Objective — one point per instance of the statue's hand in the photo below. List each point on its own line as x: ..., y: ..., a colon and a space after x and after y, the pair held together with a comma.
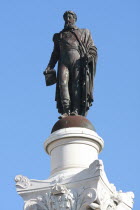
x: 47, y: 70
x: 90, y: 58
x: 85, y: 60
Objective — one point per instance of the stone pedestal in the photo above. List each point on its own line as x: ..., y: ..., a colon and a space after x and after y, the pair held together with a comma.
x: 78, y: 180
x: 73, y: 149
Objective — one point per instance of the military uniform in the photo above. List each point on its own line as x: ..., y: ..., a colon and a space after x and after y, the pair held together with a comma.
x: 70, y: 46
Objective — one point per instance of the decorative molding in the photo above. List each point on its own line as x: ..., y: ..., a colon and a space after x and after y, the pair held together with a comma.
x: 126, y: 198
x: 61, y: 198
x: 57, y: 179
x: 87, y: 199
x: 96, y: 166
x: 90, y: 190
x: 59, y: 189
x: 22, y: 181
x: 36, y: 204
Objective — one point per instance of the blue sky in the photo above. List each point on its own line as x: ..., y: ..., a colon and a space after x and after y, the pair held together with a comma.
x: 27, y: 107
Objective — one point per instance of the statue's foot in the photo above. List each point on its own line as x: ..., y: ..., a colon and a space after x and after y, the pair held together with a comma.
x: 63, y: 116
x: 74, y: 113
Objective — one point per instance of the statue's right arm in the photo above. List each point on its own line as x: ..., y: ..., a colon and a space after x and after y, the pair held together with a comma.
x: 55, y: 54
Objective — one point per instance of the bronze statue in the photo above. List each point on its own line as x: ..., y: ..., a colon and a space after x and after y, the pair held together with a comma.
x: 76, y: 55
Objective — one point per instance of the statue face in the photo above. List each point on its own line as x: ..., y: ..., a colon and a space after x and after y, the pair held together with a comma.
x: 69, y: 20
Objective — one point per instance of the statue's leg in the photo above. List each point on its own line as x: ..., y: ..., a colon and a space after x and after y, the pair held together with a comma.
x: 76, y: 89
x: 64, y: 91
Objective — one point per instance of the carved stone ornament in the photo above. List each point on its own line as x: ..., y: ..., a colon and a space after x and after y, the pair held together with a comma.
x: 36, y: 204
x: 22, y: 181
x: 96, y: 166
x: 89, y: 190
x: 61, y: 198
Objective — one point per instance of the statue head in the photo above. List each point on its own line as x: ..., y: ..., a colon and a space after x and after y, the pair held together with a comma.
x: 70, y: 18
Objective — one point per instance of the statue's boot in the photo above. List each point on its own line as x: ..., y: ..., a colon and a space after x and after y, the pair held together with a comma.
x: 63, y: 116
x: 66, y: 112
x: 74, y: 112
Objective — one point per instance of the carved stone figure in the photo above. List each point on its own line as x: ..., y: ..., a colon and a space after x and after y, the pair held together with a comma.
x: 76, y: 55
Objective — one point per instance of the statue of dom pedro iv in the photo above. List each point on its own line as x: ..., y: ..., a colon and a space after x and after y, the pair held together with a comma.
x: 76, y: 55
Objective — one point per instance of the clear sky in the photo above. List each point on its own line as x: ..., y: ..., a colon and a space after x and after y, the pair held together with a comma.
x: 27, y: 107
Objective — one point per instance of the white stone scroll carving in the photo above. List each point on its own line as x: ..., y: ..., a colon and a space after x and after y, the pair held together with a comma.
x: 22, y: 181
